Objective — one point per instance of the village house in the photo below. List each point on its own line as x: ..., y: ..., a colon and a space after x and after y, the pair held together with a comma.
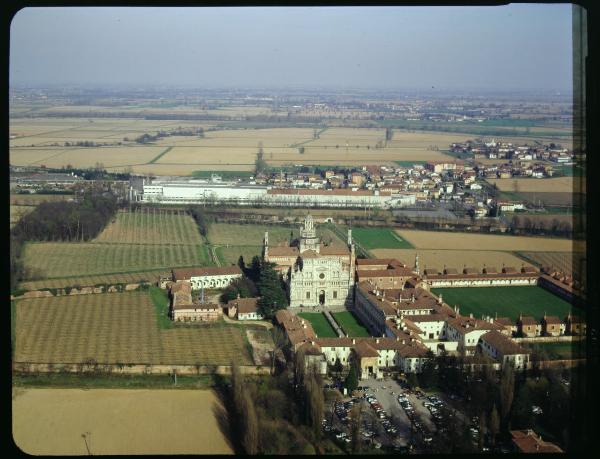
x: 528, y: 327
x: 244, y: 309
x: 552, y: 326
x: 501, y: 348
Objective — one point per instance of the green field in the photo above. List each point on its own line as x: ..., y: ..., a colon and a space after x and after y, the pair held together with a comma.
x: 506, y: 301
x: 319, y: 323
x: 559, y: 351
x: 349, y: 323
x: 230, y: 255
x: 65, y: 259
x: 379, y: 238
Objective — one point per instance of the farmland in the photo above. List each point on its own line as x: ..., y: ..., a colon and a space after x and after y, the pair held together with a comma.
x: 144, y: 240
x: 470, y: 241
x: 86, y: 281
x: 230, y: 255
x: 532, y: 185
x: 452, y: 258
x: 378, y: 238
x: 117, y: 421
x: 67, y: 259
x: 118, y: 328
x: 35, y: 199
x: 506, y: 301
x: 151, y: 226
x: 319, y: 323
x: 350, y: 324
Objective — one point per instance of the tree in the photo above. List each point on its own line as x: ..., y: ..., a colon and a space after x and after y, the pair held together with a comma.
x: 494, y: 424
x: 388, y: 134
x: 355, y: 422
x: 254, y: 272
x: 314, y: 402
x: 351, y: 382
x: 260, y: 165
x: 273, y: 296
x: 250, y: 425
x: 507, y: 390
x: 301, y: 150
x: 429, y: 375
x: 241, y: 263
x: 412, y: 380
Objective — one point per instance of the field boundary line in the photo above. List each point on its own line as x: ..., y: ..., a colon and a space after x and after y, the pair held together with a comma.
x: 160, y: 155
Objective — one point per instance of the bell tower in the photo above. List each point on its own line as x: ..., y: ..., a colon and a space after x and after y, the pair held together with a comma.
x: 308, y: 236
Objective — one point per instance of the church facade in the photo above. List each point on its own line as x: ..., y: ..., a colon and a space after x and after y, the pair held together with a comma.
x: 316, y: 275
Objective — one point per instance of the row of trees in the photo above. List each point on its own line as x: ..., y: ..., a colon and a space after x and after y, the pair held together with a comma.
x: 270, y: 416
x: 146, y: 138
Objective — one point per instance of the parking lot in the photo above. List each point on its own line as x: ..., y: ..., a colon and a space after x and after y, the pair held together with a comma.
x: 394, y: 417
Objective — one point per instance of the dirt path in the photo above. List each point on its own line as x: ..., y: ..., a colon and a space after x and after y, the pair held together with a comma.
x: 117, y: 421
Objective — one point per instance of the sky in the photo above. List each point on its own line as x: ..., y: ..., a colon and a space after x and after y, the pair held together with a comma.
x: 512, y: 47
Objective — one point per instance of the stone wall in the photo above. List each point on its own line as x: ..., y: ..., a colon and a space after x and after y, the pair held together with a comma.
x: 79, y: 291
x: 28, y: 367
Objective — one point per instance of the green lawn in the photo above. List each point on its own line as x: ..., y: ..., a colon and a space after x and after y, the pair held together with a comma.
x: 506, y: 301
x: 319, y: 324
x: 349, y: 323
x: 559, y: 351
x: 160, y: 300
x: 379, y: 238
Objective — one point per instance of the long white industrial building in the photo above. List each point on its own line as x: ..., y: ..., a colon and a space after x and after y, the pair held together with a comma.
x: 198, y: 192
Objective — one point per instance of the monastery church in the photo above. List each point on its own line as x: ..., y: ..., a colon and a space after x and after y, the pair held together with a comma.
x: 316, y: 275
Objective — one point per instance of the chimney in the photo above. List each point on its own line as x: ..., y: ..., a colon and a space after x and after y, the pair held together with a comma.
x: 471, y: 315
x: 377, y: 340
x: 353, y: 341
x: 303, y: 325
x: 397, y: 338
x: 238, y: 295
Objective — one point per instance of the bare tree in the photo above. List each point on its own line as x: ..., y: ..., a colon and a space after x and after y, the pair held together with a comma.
x: 507, y: 390
x: 494, y: 424
x: 355, y: 422
x: 250, y: 425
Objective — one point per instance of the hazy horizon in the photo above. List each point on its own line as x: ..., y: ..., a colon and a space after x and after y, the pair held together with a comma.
x: 473, y: 49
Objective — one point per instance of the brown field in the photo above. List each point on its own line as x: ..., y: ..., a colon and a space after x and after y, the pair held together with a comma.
x: 184, y: 169
x: 472, y: 241
x: 117, y: 421
x: 118, y: 328
x: 555, y: 185
x: 452, y: 258
x: 85, y: 157
x: 151, y: 226
x: 34, y: 199
x: 556, y: 199
x: 87, y: 281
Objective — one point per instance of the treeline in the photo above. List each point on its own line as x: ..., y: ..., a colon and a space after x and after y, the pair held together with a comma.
x: 272, y: 416
x: 97, y: 173
x: 59, y: 221
x: 500, y: 401
x: 202, y: 220
x: 145, y: 138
